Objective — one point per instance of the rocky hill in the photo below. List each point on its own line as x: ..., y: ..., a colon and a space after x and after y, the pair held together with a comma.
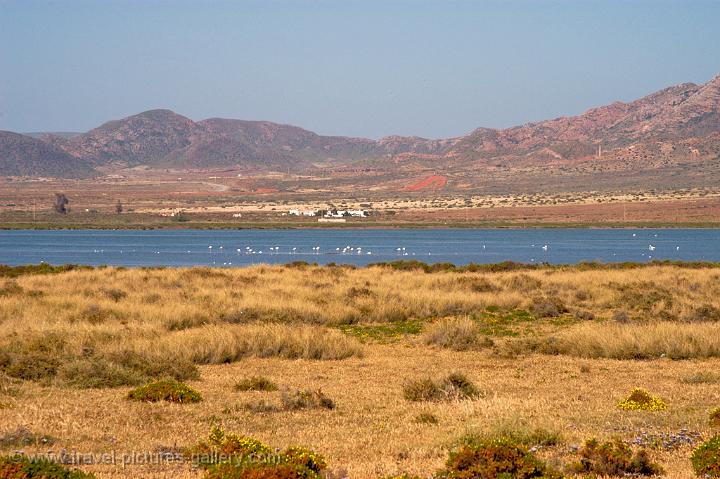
x: 678, y: 112
x: 686, y: 113
x: 22, y: 155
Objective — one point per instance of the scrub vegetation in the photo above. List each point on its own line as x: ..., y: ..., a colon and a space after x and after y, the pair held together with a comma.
x: 395, y: 370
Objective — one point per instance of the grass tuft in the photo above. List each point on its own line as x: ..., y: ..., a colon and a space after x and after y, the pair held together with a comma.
x: 459, y: 334
x: 456, y: 386
x: 256, y: 383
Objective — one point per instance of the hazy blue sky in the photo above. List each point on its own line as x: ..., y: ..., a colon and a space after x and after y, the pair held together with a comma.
x: 365, y: 68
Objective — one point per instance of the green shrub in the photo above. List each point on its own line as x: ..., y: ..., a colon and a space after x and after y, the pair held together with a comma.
x: 21, y: 467
x: 165, y: 390
x: 706, y: 458
x: 456, y: 386
x: 256, y: 383
x: 495, y: 459
x: 641, y: 400
x: 613, y: 458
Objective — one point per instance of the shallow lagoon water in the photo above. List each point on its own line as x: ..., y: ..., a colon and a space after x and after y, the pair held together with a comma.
x: 459, y: 246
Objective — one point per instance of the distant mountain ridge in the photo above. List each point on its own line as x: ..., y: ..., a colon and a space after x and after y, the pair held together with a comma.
x: 165, y: 139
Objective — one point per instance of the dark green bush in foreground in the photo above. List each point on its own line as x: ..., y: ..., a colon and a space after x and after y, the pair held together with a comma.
x: 495, y: 459
x: 613, y: 458
x: 706, y: 458
x: 165, y: 390
x: 21, y: 467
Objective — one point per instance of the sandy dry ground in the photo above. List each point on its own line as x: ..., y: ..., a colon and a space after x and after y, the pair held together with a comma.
x: 372, y: 432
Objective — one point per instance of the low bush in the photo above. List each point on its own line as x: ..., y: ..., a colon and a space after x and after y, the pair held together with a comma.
x: 641, y: 400
x: 22, y: 467
x: 232, y: 456
x: 229, y: 343
x: 22, y: 437
x: 426, y: 418
x: 701, y: 377
x: 517, y: 431
x: 495, y: 459
x: 42, y: 268
x: 706, y: 458
x: 630, y: 341
x: 47, y: 359
x: 714, y: 419
x: 478, y: 285
x: 459, y: 334
x: 705, y: 312
x: 10, y: 288
x: 524, y: 283
x: 256, y: 383
x: 547, y: 307
x: 301, y: 399
x: 613, y: 458
x: 261, y: 406
x: 165, y: 390
x: 456, y: 386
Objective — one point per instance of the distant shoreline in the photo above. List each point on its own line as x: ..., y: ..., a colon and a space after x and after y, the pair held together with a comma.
x: 357, y: 226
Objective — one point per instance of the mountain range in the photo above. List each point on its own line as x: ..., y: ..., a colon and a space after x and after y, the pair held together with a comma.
x: 686, y: 115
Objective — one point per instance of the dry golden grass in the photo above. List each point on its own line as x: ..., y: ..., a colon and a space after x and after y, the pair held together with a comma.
x: 373, y: 430
x: 299, y: 327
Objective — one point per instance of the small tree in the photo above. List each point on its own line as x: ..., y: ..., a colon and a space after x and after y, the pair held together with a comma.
x: 61, y: 202
x: 118, y: 207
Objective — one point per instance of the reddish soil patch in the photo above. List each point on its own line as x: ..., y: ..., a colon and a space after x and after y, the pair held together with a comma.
x: 434, y: 182
x: 265, y: 190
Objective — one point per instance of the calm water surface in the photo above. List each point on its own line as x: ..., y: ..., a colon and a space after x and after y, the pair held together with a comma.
x: 459, y: 246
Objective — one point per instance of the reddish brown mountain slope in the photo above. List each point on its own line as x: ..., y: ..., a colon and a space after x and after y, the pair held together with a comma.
x: 22, y: 155
x: 687, y: 116
x: 681, y: 111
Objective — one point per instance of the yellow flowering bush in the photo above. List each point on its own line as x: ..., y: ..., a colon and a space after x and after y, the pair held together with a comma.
x: 232, y: 456
x: 641, y: 400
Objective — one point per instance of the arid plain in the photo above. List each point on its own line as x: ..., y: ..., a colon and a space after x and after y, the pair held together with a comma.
x: 550, y: 352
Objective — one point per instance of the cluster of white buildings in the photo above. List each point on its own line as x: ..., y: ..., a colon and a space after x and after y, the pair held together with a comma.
x: 330, y: 213
x: 304, y: 212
